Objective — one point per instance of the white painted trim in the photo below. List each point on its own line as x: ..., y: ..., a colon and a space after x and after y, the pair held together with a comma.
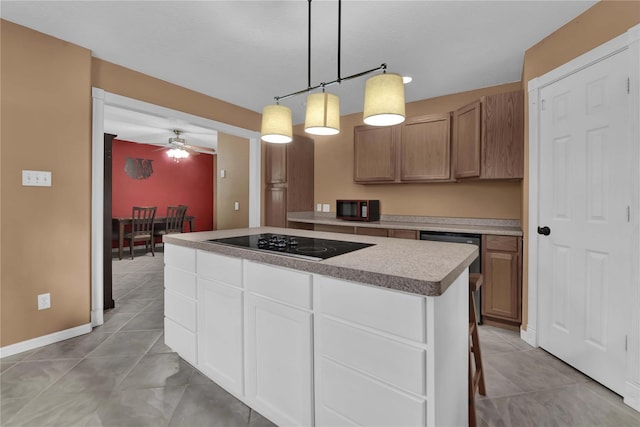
x: 631, y: 41
x: 38, y: 342
x: 632, y: 392
x: 102, y: 98
x: 148, y: 108
x: 254, y: 181
x: 97, y: 207
x: 529, y: 336
x: 632, y: 395
x: 532, y: 319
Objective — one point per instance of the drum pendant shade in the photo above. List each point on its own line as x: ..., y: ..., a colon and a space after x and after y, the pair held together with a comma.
x: 384, y: 100
x: 323, y: 114
x: 276, y: 124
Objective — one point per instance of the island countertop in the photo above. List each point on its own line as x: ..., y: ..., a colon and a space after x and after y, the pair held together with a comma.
x: 414, y: 266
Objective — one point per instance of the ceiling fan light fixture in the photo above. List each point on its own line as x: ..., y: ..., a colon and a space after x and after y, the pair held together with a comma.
x: 384, y: 100
x: 277, y: 125
x: 323, y: 114
x: 177, y: 153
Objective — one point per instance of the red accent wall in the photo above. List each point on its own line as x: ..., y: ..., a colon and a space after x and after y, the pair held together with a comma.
x: 187, y: 182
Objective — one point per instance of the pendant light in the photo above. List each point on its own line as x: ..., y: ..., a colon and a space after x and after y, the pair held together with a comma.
x: 384, y: 100
x: 383, y: 105
x: 323, y: 114
x: 276, y: 124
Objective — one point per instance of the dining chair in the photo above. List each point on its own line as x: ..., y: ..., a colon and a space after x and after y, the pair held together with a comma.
x: 174, y: 222
x: 141, y: 228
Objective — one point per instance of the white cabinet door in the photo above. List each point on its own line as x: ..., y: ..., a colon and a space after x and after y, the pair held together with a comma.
x: 220, y: 334
x: 279, y: 346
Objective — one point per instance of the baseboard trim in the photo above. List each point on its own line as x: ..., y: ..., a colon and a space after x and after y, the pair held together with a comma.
x: 632, y: 395
x: 529, y: 336
x: 33, y: 343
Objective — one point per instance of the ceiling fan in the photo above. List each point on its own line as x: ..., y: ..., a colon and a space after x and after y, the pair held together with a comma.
x: 178, y: 147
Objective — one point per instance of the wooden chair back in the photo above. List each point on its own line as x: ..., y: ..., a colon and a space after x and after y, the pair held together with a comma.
x: 175, y: 218
x: 142, y: 220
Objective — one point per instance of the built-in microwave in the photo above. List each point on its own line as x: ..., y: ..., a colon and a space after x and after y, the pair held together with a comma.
x: 358, y: 210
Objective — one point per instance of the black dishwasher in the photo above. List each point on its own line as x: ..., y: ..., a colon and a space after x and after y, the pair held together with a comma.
x: 471, y: 239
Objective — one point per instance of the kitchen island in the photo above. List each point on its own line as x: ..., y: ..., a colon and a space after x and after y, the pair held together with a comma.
x: 377, y: 336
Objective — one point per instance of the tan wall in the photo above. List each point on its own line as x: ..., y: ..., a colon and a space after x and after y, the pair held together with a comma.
x: 599, y: 24
x: 334, y: 173
x: 45, y: 232
x: 46, y: 125
x: 233, y: 157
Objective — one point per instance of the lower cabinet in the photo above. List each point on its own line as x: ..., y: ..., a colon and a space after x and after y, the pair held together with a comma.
x: 502, y: 288
x: 279, y: 351
x: 220, y: 334
x: 308, y: 350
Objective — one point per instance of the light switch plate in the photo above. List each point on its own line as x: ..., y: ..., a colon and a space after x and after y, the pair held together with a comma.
x: 36, y: 178
x: 325, y: 208
x: 319, y: 207
x: 223, y: 173
x: 236, y: 206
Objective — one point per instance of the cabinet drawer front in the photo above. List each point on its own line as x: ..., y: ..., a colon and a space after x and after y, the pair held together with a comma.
x: 389, y: 311
x: 180, y: 257
x: 346, y: 397
x: 181, y: 341
x: 221, y: 268
x: 180, y: 309
x: 501, y: 243
x: 289, y: 286
x: 180, y: 281
x: 403, y: 234
x: 372, y: 353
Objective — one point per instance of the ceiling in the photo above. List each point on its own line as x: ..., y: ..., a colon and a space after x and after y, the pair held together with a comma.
x: 248, y: 52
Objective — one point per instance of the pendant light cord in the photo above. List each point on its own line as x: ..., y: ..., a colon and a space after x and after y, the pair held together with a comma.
x: 309, y: 49
x: 339, y: 37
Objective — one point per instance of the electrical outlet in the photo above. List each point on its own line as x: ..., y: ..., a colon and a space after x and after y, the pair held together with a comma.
x: 319, y: 207
x: 44, y: 301
x: 325, y: 208
x: 236, y: 206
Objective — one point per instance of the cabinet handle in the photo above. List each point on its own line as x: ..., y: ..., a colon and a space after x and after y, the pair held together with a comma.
x: 545, y: 231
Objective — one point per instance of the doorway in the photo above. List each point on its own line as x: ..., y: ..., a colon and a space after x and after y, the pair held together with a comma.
x: 102, y: 98
x: 583, y: 202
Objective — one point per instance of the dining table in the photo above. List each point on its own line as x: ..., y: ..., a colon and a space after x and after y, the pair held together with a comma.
x: 120, y: 222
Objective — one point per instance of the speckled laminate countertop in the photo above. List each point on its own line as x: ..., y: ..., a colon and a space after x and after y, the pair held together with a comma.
x: 502, y: 227
x: 414, y: 266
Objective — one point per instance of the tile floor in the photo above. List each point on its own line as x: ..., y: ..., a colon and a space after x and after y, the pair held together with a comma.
x: 122, y: 374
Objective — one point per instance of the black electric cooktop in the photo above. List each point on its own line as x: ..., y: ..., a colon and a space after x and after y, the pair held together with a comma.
x: 296, y: 246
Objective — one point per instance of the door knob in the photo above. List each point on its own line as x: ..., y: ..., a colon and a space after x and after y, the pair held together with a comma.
x: 545, y: 231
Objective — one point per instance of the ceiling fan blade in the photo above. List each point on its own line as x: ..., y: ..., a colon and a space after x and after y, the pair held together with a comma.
x: 161, y: 148
x: 204, y: 150
x: 190, y: 151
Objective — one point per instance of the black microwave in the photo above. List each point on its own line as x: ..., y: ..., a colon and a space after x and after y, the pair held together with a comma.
x: 358, y: 210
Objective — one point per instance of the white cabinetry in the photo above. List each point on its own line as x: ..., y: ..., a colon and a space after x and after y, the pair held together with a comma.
x: 180, y: 294
x: 220, y: 325
x: 310, y: 350
x: 279, y: 344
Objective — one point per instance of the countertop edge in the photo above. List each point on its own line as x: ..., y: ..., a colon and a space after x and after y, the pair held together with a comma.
x: 389, y: 281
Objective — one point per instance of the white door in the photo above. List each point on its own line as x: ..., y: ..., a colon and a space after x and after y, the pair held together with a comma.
x: 585, y: 263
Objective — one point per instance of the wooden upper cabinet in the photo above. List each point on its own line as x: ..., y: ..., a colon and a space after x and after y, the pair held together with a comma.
x: 467, y: 141
x: 419, y: 150
x: 425, y: 148
x: 489, y: 138
x: 276, y: 163
x: 503, y: 136
x: 374, y: 153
